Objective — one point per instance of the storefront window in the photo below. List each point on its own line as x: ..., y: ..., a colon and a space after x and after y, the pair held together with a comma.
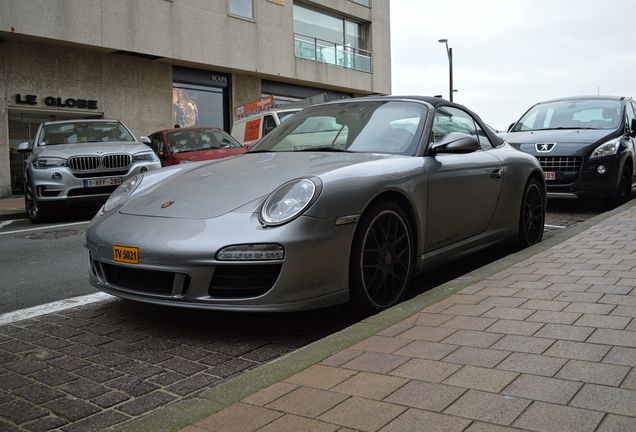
x: 197, y: 106
x: 242, y: 8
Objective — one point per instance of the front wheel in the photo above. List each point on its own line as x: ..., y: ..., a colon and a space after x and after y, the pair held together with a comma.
x: 382, y: 261
x: 623, y: 192
x: 36, y: 211
x: 532, y: 218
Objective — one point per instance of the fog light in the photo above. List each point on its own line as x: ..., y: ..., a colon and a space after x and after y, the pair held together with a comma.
x: 256, y: 252
x: 143, y: 169
x: 601, y: 169
x: 56, y: 176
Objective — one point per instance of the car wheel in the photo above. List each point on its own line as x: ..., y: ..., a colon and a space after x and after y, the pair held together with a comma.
x: 381, y: 263
x: 532, y: 218
x: 36, y: 212
x: 624, y: 191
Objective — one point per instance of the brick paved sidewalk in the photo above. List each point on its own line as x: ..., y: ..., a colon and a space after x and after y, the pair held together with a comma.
x: 548, y: 344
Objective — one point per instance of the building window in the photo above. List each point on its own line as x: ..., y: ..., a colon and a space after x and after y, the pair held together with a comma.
x: 330, y: 39
x: 366, y: 3
x: 242, y: 8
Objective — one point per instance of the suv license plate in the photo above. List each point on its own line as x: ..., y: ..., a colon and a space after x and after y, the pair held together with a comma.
x: 126, y: 254
x: 549, y: 175
x: 112, y: 181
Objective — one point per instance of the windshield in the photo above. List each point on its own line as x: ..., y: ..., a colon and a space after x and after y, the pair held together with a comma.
x: 83, y: 132
x: 181, y: 141
x: 572, y: 114
x: 284, y: 115
x: 392, y: 127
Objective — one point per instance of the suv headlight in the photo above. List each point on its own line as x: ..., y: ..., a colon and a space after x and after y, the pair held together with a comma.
x: 122, y: 193
x: 606, y: 149
x: 48, y: 162
x: 289, y: 201
x: 145, y: 156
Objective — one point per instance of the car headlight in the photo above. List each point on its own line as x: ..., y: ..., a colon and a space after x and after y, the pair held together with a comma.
x: 145, y: 156
x: 48, y: 162
x: 289, y: 201
x: 122, y: 193
x: 606, y: 149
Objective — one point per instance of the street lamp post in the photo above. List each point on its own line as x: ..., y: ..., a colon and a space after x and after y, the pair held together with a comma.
x: 449, y: 51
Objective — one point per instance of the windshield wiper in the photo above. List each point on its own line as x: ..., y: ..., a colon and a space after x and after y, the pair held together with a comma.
x: 325, y: 149
x: 565, y: 128
x: 260, y: 151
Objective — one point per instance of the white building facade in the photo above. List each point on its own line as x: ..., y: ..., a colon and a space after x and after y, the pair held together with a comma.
x: 139, y: 61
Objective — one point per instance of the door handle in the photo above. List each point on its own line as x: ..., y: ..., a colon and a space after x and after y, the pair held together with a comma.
x: 496, y: 173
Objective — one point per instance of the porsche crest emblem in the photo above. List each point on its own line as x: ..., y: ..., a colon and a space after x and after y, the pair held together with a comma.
x: 166, y: 204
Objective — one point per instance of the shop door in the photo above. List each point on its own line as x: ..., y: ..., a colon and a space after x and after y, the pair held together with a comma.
x: 22, y: 127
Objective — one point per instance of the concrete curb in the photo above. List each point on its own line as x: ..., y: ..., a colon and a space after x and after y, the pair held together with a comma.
x: 183, y: 413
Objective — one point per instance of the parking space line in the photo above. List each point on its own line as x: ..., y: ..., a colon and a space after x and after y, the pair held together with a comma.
x: 44, y: 227
x: 554, y: 226
x: 5, y: 223
x: 32, y: 312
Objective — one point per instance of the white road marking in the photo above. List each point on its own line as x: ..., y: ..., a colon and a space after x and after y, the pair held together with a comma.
x: 5, y: 223
x: 555, y: 226
x: 32, y: 312
x: 44, y: 227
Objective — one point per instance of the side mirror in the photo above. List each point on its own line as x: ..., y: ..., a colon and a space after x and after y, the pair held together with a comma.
x: 456, y: 142
x: 632, y: 129
x: 144, y: 140
x: 510, y: 127
x: 23, y: 147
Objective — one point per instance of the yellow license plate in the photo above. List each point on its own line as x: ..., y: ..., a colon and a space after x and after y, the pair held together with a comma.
x: 125, y: 254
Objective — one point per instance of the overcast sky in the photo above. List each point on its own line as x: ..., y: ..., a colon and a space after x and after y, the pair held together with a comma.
x: 510, y: 54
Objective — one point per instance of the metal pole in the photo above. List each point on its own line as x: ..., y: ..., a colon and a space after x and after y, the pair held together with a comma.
x: 450, y: 73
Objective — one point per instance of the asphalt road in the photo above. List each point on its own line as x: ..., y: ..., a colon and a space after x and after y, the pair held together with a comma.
x: 41, y: 264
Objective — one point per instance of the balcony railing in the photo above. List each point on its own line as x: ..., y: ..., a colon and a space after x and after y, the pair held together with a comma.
x: 310, y: 48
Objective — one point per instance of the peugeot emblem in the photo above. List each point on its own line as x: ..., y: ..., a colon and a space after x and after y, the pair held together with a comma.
x: 166, y: 204
x: 544, y: 147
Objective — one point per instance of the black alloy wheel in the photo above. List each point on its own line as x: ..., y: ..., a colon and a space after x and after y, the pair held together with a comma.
x: 532, y: 220
x: 381, y: 259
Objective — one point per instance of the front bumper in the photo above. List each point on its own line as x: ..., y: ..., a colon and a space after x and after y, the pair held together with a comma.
x: 73, y: 188
x: 177, y: 264
x: 587, y: 183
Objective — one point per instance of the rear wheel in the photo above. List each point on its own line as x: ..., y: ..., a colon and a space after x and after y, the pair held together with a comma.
x: 624, y: 191
x: 532, y: 218
x: 381, y: 263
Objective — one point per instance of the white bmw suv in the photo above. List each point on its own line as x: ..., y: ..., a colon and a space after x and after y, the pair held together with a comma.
x: 80, y: 161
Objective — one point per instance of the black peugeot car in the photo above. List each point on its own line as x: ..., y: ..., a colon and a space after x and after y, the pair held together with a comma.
x: 585, y: 144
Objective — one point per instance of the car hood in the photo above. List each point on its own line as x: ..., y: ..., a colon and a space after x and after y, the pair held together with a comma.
x: 525, y: 141
x: 68, y: 150
x: 202, y: 155
x: 210, y: 189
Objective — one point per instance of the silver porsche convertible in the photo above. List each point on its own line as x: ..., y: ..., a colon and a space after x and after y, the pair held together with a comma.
x: 344, y: 202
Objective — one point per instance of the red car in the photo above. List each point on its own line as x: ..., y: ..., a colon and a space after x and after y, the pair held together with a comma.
x: 183, y: 145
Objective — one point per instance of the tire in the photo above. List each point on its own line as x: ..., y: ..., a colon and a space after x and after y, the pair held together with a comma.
x: 36, y: 211
x: 623, y: 192
x: 382, y: 258
x: 532, y: 214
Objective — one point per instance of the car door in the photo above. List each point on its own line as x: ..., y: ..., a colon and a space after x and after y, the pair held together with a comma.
x: 463, y: 189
